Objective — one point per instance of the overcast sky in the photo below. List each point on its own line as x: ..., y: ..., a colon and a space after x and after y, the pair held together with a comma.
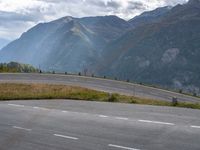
x: 17, y: 16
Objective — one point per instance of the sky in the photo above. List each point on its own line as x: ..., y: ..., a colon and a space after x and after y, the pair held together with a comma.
x: 17, y: 16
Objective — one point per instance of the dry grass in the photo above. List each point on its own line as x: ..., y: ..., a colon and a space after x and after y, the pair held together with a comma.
x: 15, y: 91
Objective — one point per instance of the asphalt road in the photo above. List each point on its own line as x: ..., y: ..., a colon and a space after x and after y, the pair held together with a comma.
x: 98, y: 84
x: 77, y: 125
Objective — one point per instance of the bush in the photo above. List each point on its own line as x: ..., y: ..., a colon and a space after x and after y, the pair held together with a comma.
x: 133, y: 101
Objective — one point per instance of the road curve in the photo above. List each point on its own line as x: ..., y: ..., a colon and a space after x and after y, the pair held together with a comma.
x: 99, y: 84
x: 78, y: 125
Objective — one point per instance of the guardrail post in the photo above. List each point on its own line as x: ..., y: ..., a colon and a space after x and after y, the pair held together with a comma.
x: 174, y: 101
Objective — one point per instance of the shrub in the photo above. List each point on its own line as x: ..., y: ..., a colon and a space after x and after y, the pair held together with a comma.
x: 133, y: 101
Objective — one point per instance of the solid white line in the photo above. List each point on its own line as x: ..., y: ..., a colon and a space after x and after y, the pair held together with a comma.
x: 197, y: 127
x: 122, y: 147
x: 16, y: 105
x: 156, y: 122
x: 102, y: 116
x: 15, y: 127
x: 67, y: 137
x: 121, y: 118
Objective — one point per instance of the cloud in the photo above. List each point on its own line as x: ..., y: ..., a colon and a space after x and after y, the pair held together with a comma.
x: 113, y: 4
x: 18, y: 15
x: 136, y: 5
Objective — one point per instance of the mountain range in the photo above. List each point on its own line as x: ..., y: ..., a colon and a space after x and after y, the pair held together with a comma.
x: 160, y: 47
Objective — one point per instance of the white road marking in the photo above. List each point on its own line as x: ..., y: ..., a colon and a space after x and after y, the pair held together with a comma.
x: 36, y: 107
x: 156, y: 122
x: 42, y: 108
x: 20, y: 128
x: 67, y: 137
x: 121, y: 118
x: 197, y: 127
x: 16, y: 105
x: 122, y: 147
x: 64, y: 111
x: 102, y: 116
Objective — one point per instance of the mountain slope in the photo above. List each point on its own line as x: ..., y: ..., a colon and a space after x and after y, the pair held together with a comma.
x: 107, y: 27
x: 164, y: 53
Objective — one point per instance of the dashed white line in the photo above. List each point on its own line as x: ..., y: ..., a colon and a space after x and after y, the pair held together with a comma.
x: 36, y: 107
x: 121, y: 147
x: 41, y: 108
x: 103, y: 116
x: 197, y: 127
x: 156, y: 122
x: 15, y: 105
x: 20, y: 128
x: 66, y: 137
x: 121, y: 118
x: 64, y: 111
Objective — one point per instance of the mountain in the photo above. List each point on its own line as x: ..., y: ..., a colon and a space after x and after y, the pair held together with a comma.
x: 3, y: 42
x: 165, y: 52
x: 150, y: 16
x: 67, y: 44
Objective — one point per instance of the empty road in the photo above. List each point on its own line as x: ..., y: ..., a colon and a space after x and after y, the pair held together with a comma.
x: 78, y: 125
x: 98, y: 84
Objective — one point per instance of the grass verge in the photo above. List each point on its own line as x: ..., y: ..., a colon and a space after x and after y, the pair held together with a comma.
x: 16, y: 91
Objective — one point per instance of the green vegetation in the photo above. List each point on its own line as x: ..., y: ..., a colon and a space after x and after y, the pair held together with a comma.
x: 14, y: 67
x: 16, y: 91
